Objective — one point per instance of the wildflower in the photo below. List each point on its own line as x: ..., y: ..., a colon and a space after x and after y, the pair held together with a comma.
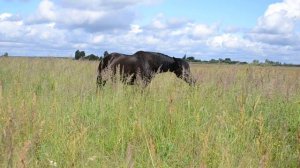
x: 52, y: 163
x: 92, y: 158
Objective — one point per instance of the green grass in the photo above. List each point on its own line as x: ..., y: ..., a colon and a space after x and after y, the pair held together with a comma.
x: 236, y: 116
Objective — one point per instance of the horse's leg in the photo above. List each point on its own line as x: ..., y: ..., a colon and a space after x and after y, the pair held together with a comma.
x: 100, y: 82
x: 138, y: 76
x: 148, y: 76
x: 146, y: 79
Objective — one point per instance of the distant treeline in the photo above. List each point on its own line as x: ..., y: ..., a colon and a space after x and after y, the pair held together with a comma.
x: 229, y: 61
x: 4, y: 55
x: 80, y: 55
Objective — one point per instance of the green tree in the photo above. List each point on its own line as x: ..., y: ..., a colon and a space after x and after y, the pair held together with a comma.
x: 227, y: 60
x: 191, y: 58
x: 82, y: 54
x: 213, y: 61
x: 255, y: 62
x: 5, y: 54
x: 79, y: 54
x: 269, y: 62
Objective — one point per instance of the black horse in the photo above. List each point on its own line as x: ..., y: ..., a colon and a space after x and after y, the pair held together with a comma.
x: 141, y: 65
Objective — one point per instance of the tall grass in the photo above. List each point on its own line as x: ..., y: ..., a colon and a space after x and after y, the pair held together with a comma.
x: 236, y: 116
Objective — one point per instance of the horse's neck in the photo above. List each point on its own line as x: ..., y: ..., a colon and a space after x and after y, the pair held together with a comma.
x: 156, y: 62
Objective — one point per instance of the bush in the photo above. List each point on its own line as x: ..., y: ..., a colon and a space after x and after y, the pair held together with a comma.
x: 91, y: 57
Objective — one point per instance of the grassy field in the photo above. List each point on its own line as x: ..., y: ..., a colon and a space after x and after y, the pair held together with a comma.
x: 236, y: 116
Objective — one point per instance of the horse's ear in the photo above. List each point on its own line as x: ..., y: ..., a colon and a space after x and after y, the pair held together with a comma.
x: 105, y: 53
x: 176, y: 61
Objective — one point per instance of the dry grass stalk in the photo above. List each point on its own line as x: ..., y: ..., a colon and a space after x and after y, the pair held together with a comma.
x: 256, y: 103
x: 298, y: 139
x: 151, y: 148
x: 263, y: 161
x: 202, y: 165
x: 23, y: 154
x: 7, y: 138
x: 30, y: 146
x: 129, y: 156
x: 1, y: 98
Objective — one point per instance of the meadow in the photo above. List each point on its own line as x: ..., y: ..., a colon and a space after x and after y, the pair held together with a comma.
x: 235, y: 116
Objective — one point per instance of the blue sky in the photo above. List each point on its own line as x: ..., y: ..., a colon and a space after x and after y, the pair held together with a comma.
x: 18, y: 6
x: 229, y: 12
x: 206, y: 29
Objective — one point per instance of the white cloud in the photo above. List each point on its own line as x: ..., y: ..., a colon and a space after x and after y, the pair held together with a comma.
x: 195, y: 30
x: 61, y: 27
x: 80, y: 46
x: 11, y: 29
x: 5, y: 16
x: 135, y: 29
x: 151, y: 40
x: 105, y: 4
x: 158, y: 24
x: 201, y: 30
x: 87, y: 17
x: 235, y: 43
x: 46, y: 10
x: 279, y: 18
x: 228, y: 41
x: 289, y: 7
x: 181, y: 27
x: 277, y: 30
x: 98, y: 39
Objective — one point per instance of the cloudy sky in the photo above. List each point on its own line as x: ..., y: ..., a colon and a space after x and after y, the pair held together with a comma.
x: 241, y: 30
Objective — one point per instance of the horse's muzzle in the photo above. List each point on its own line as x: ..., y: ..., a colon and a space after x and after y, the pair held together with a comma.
x: 190, y: 80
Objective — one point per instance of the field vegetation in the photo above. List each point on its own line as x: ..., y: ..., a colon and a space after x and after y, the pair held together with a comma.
x: 236, y: 116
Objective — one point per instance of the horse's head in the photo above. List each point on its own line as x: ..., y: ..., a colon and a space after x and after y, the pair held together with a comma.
x: 182, y: 70
x: 104, y: 66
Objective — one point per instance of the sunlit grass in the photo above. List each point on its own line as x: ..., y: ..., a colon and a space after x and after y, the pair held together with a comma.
x: 236, y: 116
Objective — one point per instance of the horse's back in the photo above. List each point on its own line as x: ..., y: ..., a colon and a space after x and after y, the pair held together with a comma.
x: 127, y: 64
x: 125, y: 60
